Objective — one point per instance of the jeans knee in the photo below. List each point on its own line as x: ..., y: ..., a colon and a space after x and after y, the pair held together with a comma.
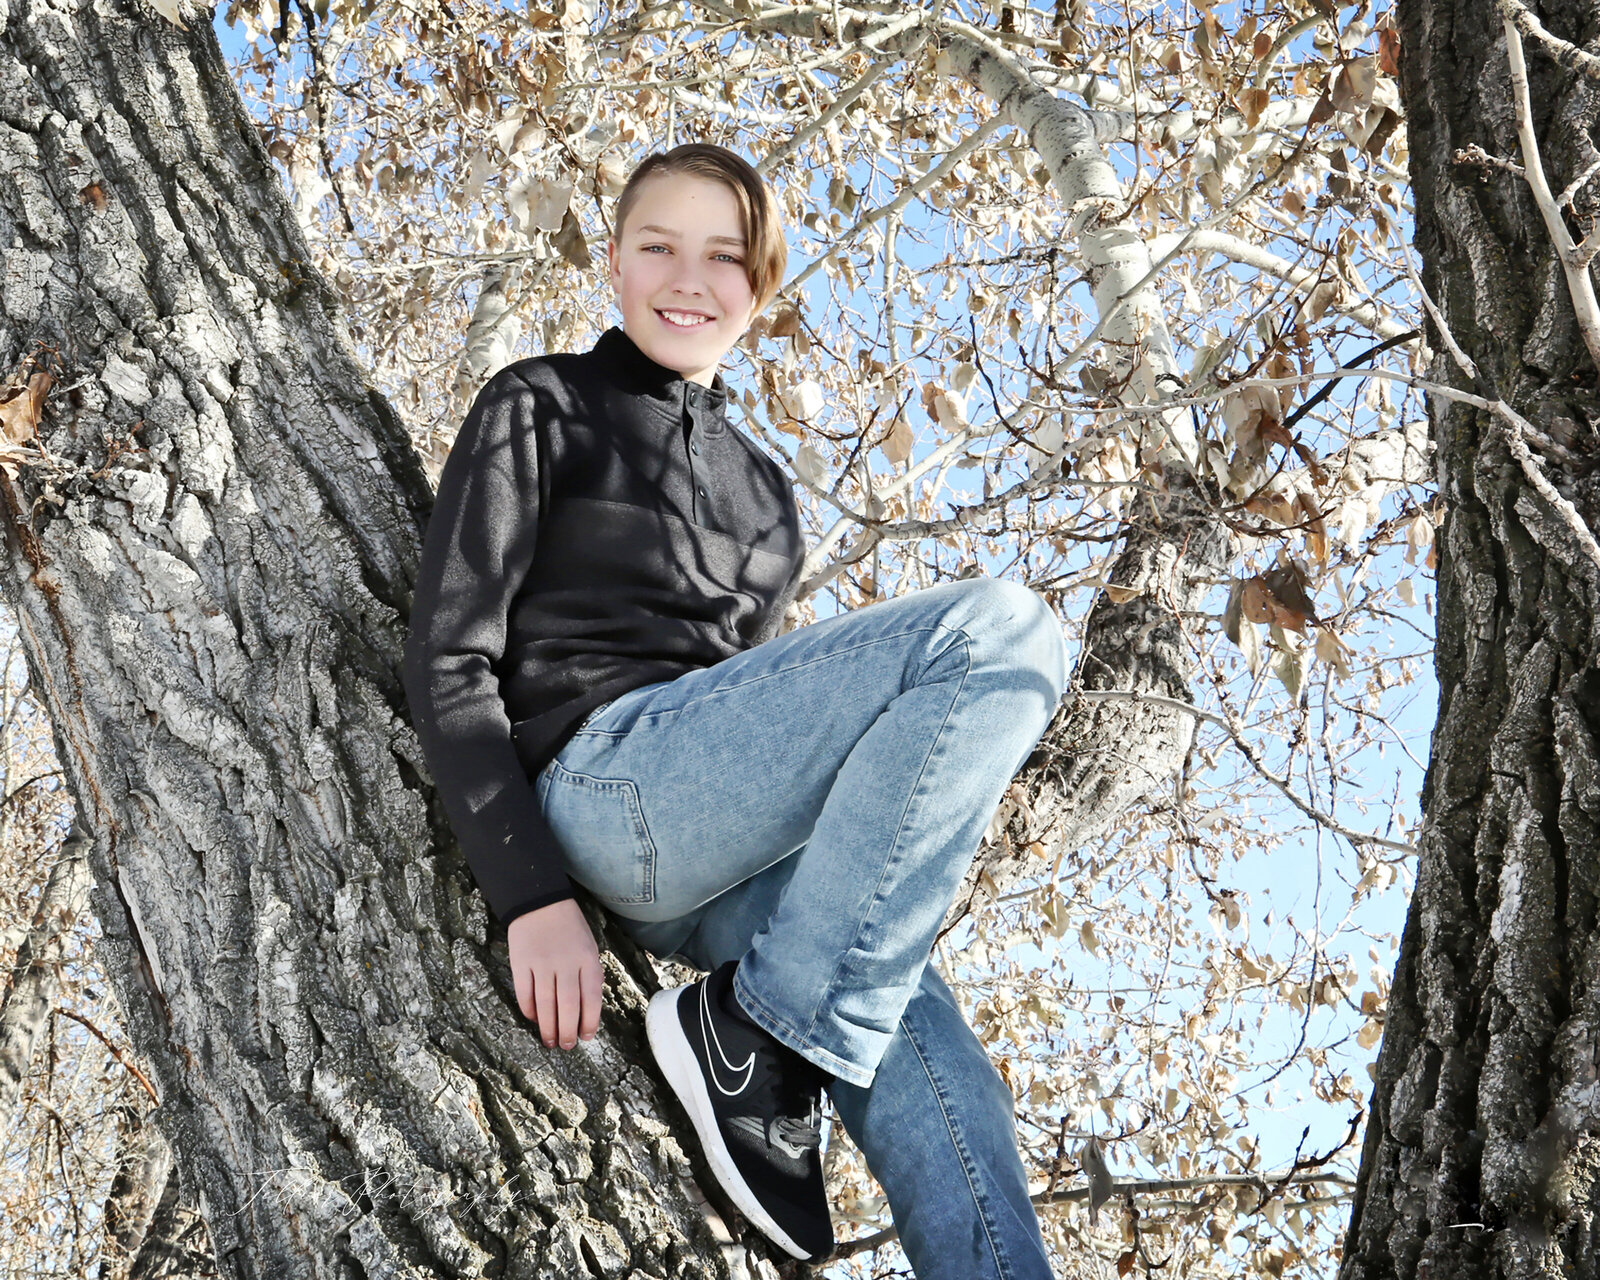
x: 1013, y: 622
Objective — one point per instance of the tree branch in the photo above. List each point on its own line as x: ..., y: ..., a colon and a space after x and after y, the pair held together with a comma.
x: 1564, y: 52
x: 1127, y: 1187
x: 1579, y: 284
x: 1206, y: 239
x: 35, y: 974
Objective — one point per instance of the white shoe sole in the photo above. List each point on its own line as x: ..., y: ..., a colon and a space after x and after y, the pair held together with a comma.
x: 678, y: 1064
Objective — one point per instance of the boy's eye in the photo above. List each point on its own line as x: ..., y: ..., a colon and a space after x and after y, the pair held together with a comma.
x: 730, y: 257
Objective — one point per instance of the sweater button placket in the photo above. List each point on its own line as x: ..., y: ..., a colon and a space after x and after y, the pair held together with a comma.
x: 692, y: 399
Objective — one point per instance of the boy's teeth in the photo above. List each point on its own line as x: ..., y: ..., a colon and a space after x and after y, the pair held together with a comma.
x: 682, y: 320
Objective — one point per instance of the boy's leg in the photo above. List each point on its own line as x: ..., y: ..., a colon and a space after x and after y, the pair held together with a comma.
x: 938, y: 1128
x: 936, y: 1124
x: 871, y: 748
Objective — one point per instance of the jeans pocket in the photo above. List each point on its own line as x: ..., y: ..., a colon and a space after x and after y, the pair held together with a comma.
x: 602, y: 832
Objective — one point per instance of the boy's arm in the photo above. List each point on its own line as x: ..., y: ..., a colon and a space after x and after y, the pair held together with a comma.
x: 476, y: 553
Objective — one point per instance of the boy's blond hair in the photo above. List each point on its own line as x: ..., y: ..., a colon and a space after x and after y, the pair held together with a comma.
x: 766, y: 250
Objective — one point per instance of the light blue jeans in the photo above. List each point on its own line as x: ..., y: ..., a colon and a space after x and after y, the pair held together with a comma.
x: 809, y: 807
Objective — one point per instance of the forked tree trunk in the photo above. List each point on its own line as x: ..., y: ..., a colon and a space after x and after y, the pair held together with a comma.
x: 211, y: 551
x: 212, y: 523
x: 1483, y: 1145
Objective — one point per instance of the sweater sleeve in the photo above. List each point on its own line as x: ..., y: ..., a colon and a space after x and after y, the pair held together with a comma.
x: 475, y: 555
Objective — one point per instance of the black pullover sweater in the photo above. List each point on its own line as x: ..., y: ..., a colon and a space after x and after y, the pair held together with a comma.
x: 599, y: 525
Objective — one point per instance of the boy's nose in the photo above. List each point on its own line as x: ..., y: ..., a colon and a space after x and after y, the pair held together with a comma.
x: 687, y: 277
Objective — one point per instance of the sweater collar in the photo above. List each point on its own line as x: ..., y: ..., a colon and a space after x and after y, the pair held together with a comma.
x: 666, y: 387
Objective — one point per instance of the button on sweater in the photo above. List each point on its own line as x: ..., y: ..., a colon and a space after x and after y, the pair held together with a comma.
x: 599, y: 525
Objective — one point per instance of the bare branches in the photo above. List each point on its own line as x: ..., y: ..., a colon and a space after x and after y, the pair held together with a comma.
x: 1252, y: 753
x: 1242, y: 251
x: 932, y: 178
x: 1517, y: 429
x: 1131, y: 1187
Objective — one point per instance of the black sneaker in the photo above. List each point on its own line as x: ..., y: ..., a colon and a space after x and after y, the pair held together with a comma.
x: 756, y: 1105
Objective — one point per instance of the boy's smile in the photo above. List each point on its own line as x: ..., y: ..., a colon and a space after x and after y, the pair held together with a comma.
x: 680, y: 274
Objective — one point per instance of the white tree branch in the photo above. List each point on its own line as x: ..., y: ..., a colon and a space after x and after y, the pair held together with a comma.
x: 1237, y: 249
x: 1579, y: 283
x: 1567, y: 54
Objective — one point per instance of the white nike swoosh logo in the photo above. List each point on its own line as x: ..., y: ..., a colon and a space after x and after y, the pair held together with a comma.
x: 709, y: 1031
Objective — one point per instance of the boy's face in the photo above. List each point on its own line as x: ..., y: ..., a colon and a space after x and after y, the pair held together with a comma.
x: 683, y: 252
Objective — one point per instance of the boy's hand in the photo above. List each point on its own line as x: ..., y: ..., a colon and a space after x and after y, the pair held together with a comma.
x: 555, y: 968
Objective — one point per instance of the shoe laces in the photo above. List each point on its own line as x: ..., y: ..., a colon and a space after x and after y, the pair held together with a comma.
x: 800, y: 1122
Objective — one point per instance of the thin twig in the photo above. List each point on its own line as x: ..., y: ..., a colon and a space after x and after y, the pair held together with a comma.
x: 113, y: 1051
x: 1517, y: 427
x: 1576, y: 185
x: 1131, y: 1187
x: 1302, y: 1165
x: 1466, y: 363
x: 1236, y: 732
x: 1473, y: 154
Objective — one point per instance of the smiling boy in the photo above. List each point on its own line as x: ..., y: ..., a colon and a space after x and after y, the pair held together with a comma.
x: 598, y: 683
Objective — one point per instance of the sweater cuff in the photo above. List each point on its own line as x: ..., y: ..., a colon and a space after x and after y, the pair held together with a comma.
x: 533, y: 904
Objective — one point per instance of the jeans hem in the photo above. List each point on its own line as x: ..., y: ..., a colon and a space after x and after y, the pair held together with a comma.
x: 814, y: 1054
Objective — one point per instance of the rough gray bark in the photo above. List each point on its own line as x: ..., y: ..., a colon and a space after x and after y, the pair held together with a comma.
x: 210, y: 548
x: 1483, y: 1146
x: 1099, y: 759
x: 35, y: 974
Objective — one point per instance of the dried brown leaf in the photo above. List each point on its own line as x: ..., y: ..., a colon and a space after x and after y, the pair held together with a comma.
x: 1252, y: 102
x: 1389, y: 51
x: 21, y: 406
x: 897, y: 444
x: 1322, y: 109
x: 1288, y: 586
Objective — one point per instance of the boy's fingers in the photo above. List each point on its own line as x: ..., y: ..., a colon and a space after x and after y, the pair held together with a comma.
x: 567, y: 1006
x: 544, y: 999
x: 589, y: 981
x: 522, y: 982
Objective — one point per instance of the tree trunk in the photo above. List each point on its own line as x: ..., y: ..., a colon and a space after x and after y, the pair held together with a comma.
x: 212, y: 538
x: 175, y: 1246
x: 1481, y: 1153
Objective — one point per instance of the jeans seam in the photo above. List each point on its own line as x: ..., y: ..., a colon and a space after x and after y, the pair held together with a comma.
x: 900, y: 823
x: 1001, y: 1267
